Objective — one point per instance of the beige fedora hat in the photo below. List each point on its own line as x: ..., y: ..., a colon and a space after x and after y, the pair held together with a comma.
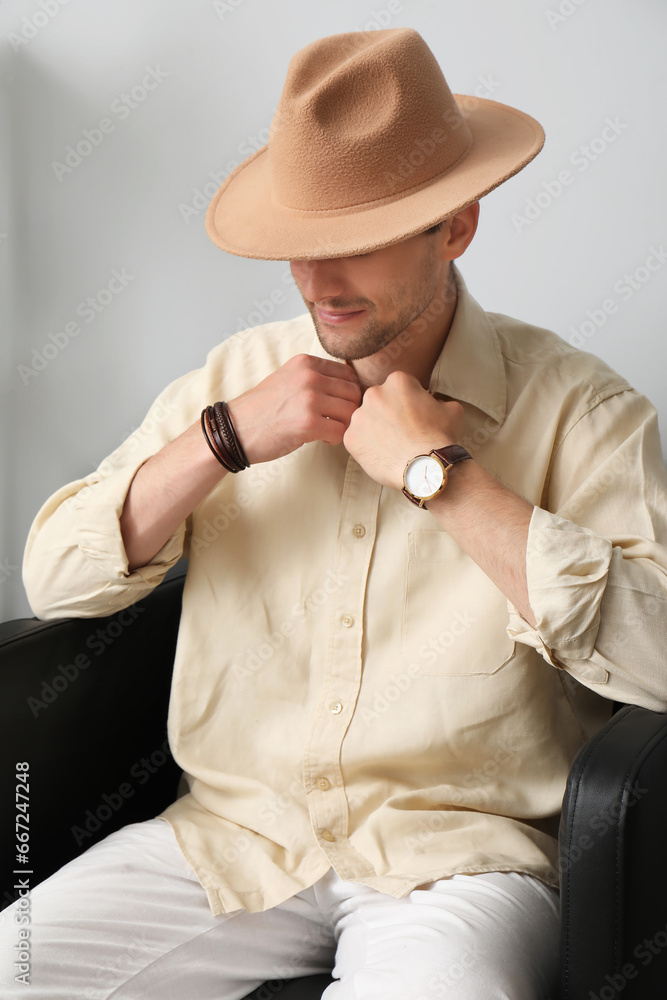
x: 368, y: 147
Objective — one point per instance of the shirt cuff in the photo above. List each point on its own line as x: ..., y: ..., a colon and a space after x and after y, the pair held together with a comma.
x: 98, y: 508
x: 566, y: 570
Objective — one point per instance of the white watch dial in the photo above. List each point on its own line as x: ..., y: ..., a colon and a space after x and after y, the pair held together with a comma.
x: 424, y: 476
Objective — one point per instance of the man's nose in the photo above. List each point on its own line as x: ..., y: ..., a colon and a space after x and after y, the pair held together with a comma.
x: 318, y: 279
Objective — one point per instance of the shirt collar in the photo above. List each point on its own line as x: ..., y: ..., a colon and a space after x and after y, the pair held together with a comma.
x: 470, y: 366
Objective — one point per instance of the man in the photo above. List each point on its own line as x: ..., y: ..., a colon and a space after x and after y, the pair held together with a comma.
x: 418, y: 534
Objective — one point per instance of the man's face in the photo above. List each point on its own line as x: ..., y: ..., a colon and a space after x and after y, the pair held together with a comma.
x: 360, y: 304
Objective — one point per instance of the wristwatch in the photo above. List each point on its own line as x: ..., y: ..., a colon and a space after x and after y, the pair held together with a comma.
x: 425, y: 476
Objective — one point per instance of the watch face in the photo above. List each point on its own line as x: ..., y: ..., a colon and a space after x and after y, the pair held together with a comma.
x: 424, y: 476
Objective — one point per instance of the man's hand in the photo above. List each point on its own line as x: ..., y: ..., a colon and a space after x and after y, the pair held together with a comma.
x: 400, y: 419
x: 396, y: 421
x: 306, y: 399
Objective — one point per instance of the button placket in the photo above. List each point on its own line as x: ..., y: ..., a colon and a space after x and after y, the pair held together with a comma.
x: 327, y: 801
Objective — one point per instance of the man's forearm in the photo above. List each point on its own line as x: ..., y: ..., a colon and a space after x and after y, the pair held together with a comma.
x: 490, y: 523
x: 306, y: 399
x: 164, y: 491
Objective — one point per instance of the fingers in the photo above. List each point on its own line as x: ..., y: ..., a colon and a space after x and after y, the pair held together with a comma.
x: 306, y: 399
x: 332, y: 378
x: 327, y: 419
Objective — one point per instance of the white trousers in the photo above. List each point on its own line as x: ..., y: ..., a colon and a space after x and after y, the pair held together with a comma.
x: 129, y: 920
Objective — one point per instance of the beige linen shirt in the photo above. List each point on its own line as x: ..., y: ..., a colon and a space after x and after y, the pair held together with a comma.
x: 350, y: 689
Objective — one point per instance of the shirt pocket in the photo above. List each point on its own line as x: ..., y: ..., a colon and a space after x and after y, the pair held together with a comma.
x: 454, y: 618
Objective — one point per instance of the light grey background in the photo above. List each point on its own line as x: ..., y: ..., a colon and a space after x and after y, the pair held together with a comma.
x: 136, y: 202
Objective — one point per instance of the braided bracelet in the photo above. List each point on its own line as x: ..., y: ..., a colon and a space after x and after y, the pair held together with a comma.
x: 206, y: 429
x: 222, y: 439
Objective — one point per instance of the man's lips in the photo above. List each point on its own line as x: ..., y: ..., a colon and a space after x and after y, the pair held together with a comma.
x: 335, y: 317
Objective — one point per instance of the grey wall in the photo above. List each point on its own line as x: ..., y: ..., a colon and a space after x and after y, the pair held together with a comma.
x: 135, y: 204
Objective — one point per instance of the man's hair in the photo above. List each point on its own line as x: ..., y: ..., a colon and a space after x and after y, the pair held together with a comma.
x: 434, y: 229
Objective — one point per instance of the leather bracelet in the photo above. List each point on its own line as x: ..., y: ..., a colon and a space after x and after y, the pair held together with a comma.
x: 222, y: 439
x: 222, y: 456
x: 227, y: 434
x: 219, y: 441
x: 235, y: 437
x: 207, y: 437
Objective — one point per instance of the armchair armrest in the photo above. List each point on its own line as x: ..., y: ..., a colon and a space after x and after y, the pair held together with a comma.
x: 84, y: 704
x: 613, y: 871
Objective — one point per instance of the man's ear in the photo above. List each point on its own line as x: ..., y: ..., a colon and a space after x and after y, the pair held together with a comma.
x: 459, y: 231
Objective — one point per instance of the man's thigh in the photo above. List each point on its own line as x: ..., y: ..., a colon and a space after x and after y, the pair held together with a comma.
x: 471, y: 937
x: 129, y: 919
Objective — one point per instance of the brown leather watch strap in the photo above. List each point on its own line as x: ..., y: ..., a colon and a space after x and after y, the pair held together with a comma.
x: 452, y: 453
x: 414, y: 500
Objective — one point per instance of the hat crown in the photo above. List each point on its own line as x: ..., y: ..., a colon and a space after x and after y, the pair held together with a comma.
x: 362, y: 117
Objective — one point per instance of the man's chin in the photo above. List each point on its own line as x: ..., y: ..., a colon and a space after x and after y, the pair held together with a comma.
x: 348, y: 355
x: 353, y: 350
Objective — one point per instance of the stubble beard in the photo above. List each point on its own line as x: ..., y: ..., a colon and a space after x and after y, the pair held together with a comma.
x: 404, y: 305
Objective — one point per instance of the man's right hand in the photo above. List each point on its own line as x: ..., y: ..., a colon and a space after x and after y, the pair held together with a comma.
x: 306, y: 399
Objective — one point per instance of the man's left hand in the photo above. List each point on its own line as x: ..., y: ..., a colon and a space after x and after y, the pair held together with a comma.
x: 396, y: 421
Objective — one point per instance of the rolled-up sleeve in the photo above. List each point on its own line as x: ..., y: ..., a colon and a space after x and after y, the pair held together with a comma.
x: 596, y: 562
x: 75, y: 564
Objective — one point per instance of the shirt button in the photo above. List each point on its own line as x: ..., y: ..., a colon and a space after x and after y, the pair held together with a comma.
x: 359, y: 530
x: 335, y: 708
x: 347, y: 621
x: 327, y: 835
x: 323, y: 783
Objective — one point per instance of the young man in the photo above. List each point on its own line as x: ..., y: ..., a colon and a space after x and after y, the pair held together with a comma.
x: 403, y: 615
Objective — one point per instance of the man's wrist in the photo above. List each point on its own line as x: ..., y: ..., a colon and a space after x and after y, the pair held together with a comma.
x: 463, y: 481
x: 426, y: 474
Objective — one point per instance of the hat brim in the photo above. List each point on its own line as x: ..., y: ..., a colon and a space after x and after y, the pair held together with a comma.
x: 243, y: 219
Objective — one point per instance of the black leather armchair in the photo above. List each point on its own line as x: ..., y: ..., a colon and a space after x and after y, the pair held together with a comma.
x: 84, y: 704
